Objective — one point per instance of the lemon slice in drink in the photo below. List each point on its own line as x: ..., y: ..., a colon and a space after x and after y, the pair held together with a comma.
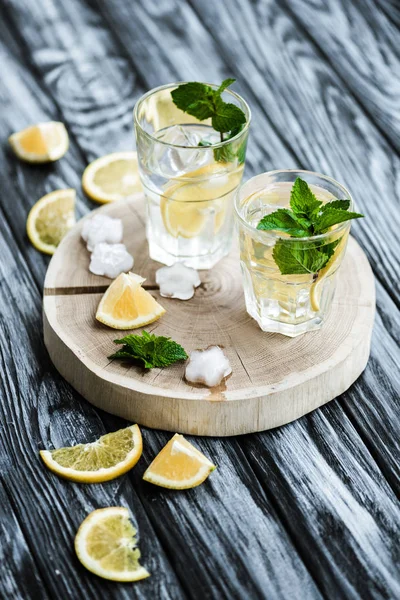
x: 179, y: 466
x: 41, y: 143
x: 316, y: 287
x: 126, y: 305
x: 106, y: 545
x: 50, y: 219
x: 107, y: 458
x: 188, y: 202
x: 112, y: 177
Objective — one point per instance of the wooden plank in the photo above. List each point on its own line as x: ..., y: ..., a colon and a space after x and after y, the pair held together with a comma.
x: 314, y: 115
x: 350, y: 542
x: 19, y: 575
x: 362, y: 44
x: 41, y: 410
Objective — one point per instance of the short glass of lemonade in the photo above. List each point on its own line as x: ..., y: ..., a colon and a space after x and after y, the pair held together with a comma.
x: 189, y: 178
x: 295, y: 303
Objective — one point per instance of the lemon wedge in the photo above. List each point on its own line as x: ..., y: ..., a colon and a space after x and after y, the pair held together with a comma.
x: 50, y: 219
x: 126, y: 305
x: 333, y: 264
x: 108, y: 457
x: 112, y: 177
x: 106, y: 545
x: 179, y: 466
x: 188, y: 204
x: 40, y: 143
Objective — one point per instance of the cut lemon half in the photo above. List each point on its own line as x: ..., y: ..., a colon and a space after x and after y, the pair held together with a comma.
x: 126, y: 305
x: 333, y: 264
x: 197, y: 199
x: 108, y: 457
x: 41, y: 143
x: 112, y: 177
x: 179, y: 466
x: 50, y: 219
x: 106, y: 545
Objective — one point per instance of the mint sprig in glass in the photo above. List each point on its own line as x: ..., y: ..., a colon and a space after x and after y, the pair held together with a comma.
x: 294, y: 227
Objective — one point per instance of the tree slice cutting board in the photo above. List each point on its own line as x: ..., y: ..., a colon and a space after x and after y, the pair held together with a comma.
x: 275, y: 379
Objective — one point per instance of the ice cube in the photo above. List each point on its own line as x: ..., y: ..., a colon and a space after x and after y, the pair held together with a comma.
x: 208, y: 366
x: 170, y: 161
x: 177, y: 281
x: 110, y: 260
x: 101, y: 228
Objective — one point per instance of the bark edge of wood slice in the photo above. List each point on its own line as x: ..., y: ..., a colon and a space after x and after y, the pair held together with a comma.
x: 275, y: 379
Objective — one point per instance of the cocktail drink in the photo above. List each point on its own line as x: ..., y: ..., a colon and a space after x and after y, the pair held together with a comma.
x: 189, y: 178
x: 293, y: 228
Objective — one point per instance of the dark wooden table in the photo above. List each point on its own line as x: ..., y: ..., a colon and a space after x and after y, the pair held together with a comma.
x: 309, y: 510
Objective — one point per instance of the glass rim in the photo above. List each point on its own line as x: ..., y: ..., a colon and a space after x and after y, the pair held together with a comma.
x: 277, y: 235
x: 144, y: 97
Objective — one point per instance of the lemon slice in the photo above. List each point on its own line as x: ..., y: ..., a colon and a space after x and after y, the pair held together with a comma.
x: 126, y: 305
x: 112, y: 177
x: 316, y: 287
x: 106, y: 545
x: 50, y: 219
x: 179, y: 466
x: 41, y: 143
x: 108, y: 457
x: 189, y: 203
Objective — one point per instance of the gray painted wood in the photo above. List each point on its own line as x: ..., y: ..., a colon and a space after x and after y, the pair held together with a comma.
x: 308, y: 510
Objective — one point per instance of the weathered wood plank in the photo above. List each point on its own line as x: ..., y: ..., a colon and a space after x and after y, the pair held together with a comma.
x: 15, y: 556
x: 41, y: 410
x: 362, y: 44
x: 350, y: 543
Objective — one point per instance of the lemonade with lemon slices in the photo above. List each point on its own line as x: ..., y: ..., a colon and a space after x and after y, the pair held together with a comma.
x: 289, y: 280
x: 189, y: 177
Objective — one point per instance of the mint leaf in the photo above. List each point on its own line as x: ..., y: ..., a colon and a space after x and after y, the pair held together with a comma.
x: 225, y: 84
x: 343, y: 204
x: 332, y: 216
x: 294, y: 259
x: 150, y: 350
x: 188, y: 94
x: 227, y: 116
x: 284, y: 220
x: 330, y: 248
x: 302, y: 200
x: 203, y: 102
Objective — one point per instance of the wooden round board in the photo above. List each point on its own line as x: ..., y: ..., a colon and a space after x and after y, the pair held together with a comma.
x: 275, y: 379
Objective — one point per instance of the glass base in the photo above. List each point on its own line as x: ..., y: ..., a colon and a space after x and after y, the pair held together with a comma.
x: 288, y: 329
x: 205, y: 261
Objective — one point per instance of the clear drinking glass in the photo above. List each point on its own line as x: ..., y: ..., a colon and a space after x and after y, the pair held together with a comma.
x: 287, y: 304
x: 189, y: 185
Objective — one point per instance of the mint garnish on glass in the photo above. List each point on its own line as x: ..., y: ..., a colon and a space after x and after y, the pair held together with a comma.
x: 150, y: 350
x: 203, y: 102
x: 306, y: 217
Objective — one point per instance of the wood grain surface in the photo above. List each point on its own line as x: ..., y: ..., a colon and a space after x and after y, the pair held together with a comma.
x: 309, y: 510
x: 275, y: 379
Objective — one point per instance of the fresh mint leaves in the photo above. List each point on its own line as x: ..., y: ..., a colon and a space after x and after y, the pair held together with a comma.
x: 306, y: 217
x: 203, y: 102
x: 150, y: 350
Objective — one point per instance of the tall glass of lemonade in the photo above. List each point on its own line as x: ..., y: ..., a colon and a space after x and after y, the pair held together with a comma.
x: 289, y: 274
x: 189, y: 178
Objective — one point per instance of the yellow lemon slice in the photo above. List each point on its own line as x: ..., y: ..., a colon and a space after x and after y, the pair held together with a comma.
x: 188, y: 203
x: 316, y: 287
x: 126, y: 305
x: 50, y: 219
x: 106, y: 545
x: 108, y: 457
x: 179, y: 466
x: 41, y: 143
x: 112, y: 177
